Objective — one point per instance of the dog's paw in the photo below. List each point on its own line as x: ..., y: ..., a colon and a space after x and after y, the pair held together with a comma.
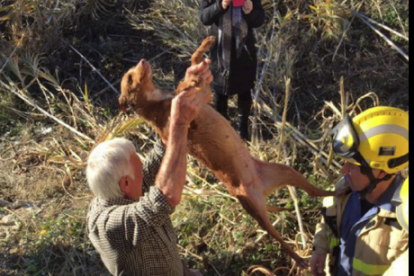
x: 192, y: 82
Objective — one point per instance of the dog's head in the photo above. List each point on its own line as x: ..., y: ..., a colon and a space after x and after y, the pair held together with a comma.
x: 137, y: 88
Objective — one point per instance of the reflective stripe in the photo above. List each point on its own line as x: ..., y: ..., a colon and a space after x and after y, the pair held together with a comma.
x: 369, y: 269
x: 384, y: 129
x: 334, y: 242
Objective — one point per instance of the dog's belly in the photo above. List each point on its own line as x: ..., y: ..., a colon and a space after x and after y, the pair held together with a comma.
x: 214, y: 142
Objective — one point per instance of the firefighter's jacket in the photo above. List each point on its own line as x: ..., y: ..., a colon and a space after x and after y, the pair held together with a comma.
x: 381, y: 241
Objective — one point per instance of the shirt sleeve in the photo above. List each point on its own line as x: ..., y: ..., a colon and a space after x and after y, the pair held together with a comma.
x: 210, y: 11
x: 325, y: 240
x: 152, y: 165
x: 135, y: 221
x: 321, y: 239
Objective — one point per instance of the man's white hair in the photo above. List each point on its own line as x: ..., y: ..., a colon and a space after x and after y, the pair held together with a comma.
x: 107, y: 164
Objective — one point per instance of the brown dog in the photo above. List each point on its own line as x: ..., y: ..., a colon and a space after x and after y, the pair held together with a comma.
x: 213, y: 141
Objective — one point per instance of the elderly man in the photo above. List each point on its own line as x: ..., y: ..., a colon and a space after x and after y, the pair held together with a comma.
x: 129, y: 218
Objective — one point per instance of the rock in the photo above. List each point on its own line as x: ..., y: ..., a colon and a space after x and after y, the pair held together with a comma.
x: 8, y: 220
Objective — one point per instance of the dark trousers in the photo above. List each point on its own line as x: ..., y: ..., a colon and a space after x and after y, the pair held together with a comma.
x: 244, y: 104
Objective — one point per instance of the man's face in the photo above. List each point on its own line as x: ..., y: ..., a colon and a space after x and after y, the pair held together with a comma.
x: 136, y: 184
x: 356, y: 180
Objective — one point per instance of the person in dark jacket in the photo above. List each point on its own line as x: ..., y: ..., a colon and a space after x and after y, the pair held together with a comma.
x: 234, y: 59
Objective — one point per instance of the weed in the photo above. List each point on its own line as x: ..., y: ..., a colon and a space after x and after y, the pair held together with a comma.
x: 60, y: 64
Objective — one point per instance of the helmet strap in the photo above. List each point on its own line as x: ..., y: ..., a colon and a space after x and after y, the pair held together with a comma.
x: 367, y: 170
x: 373, y: 182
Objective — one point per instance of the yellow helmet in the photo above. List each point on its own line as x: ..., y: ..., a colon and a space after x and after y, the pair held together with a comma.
x: 377, y: 138
x: 402, y: 207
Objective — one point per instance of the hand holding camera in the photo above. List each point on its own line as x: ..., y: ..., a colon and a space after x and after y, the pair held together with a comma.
x: 225, y: 3
x: 247, y: 6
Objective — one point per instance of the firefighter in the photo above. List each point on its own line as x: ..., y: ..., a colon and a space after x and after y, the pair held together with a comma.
x: 359, y: 233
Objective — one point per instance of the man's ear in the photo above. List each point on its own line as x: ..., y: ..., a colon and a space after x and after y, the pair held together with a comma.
x: 124, y: 184
x: 382, y: 174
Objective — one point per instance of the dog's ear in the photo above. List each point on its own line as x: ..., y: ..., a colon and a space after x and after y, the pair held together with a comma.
x: 128, y: 86
x: 130, y: 79
x: 129, y: 83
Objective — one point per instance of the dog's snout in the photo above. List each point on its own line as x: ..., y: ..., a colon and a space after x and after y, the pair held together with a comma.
x: 143, y: 62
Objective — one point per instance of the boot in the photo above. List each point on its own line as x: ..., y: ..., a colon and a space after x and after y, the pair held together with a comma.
x: 221, y: 105
x: 243, y: 127
x: 243, y: 119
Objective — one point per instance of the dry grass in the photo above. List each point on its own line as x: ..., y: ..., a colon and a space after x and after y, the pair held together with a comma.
x: 60, y: 65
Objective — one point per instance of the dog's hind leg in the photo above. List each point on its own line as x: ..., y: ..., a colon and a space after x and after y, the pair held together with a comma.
x: 254, y: 204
